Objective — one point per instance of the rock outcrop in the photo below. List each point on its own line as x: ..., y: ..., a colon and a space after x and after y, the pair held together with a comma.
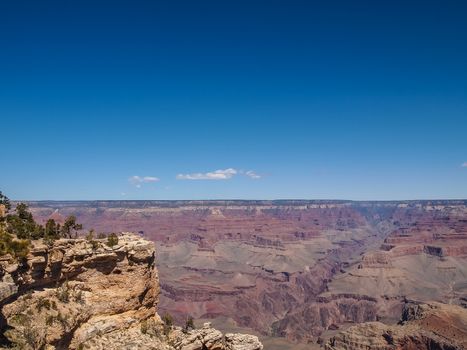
x: 210, y: 338
x: 423, y: 327
x: 65, y: 294
x: 83, y: 294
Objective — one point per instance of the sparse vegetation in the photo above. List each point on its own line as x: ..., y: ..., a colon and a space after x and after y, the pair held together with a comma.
x: 22, y: 224
x: 63, y: 293
x: 144, y: 327
x: 112, y: 240
x: 18, y: 248
x: 168, y: 323
x: 18, y: 228
x: 90, y: 235
x: 5, y: 202
x: 52, y: 230
x: 70, y: 228
x: 150, y: 328
x: 91, y: 240
x: 43, y: 303
x: 26, y: 334
x: 189, y: 324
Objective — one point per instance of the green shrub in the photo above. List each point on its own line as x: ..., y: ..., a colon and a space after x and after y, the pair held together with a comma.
x: 63, y: 293
x: 5, y: 201
x: 43, y: 303
x: 150, y: 328
x: 168, y: 323
x: 51, y: 231
x: 112, y: 240
x: 22, y: 224
x: 90, y: 238
x: 189, y: 324
x: 18, y: 248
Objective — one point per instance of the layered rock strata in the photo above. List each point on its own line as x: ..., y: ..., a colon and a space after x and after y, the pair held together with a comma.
x: 422, y: 327
x: 293, y: 268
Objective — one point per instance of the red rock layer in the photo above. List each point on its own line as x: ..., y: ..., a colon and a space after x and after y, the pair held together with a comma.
x: 270, y: 264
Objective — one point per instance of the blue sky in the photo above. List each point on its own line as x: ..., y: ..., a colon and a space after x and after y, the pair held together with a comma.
x: 233, y: 99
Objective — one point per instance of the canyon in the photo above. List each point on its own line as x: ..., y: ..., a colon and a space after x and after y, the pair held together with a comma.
x: 303, y: 271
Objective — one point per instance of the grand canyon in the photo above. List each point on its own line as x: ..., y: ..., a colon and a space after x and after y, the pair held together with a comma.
x: 233, y: 175
x: 302, y: 274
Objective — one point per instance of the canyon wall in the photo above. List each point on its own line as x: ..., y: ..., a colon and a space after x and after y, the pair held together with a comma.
x: 294, y: 269
x: 421, y: 327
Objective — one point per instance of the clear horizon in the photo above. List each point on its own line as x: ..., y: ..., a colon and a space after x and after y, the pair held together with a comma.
x: 242, y: 199
x: 159, y: 100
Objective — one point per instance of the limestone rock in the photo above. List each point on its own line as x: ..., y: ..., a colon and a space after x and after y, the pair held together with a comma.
x: 79, y: 294
x: 212, y: 339
x: 75, y: 290
x: 242, y: 342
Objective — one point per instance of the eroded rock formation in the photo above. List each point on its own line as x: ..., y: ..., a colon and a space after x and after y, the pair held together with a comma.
x: 422, y: 327
x: 295, y: 269
x: 210, y: 338
x: 80, y: 294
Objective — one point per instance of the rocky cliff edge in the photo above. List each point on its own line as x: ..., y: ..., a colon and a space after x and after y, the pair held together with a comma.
x: 83, y: 294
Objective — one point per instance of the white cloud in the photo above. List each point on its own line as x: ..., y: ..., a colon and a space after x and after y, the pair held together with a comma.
x: 464, y: 165
x: 150, y: 179
x: 138, y: 180
x: 220, y: 174
x: 253, y: 175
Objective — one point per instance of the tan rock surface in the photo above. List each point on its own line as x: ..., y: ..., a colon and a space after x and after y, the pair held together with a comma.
x: 210, y: 338
x: 79, y: 294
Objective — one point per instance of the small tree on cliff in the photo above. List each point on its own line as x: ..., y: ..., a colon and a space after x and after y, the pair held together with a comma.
x: 189, y: 324
x: 70, y: 228
x: 22, y: 223
x: 52, y: 229
x: 5, y: 202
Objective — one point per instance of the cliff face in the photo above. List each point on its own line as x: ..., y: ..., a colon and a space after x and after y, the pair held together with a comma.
x: 67, y: 294
x: 79, y: 294
x: 422, y: 327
